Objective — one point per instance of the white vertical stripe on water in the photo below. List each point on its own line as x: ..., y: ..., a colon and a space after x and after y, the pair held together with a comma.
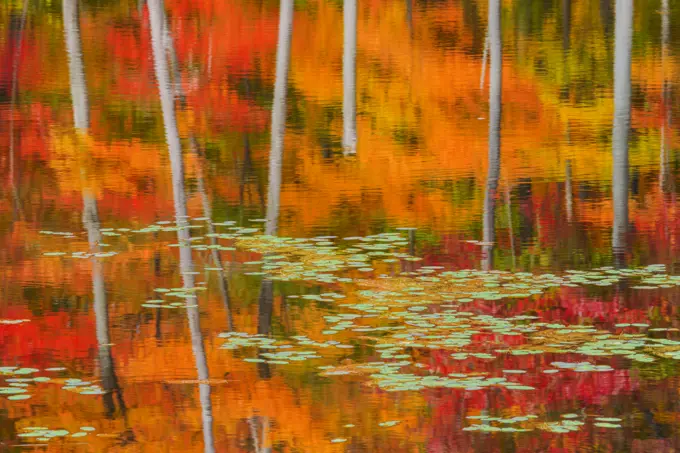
x: 278, y: 131
x: 158, y: 40
x: 349, y: 78
x: 622, y: 92
x: 494, y: 151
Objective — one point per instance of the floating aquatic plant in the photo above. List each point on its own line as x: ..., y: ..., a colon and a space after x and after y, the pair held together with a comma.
x: 43, y: 434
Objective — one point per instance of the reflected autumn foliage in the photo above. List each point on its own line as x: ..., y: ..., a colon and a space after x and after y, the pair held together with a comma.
x: 421, y: 161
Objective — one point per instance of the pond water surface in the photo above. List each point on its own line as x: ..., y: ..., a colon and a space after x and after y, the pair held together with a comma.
x: 324, y: 226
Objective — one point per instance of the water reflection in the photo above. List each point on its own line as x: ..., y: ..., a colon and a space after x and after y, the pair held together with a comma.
x: 16, y: 38
x: 620, y: 133
x: 278, y: 128
x: 160, y: 40
x: 81, y: 119
x: 665, y: 176
x: 423, y: 124
x: 278, y: 124
x: 494, y: 151
x: 222, y: 281
x: 349, y: 84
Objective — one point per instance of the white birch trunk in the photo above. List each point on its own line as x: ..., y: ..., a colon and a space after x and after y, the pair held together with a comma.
x: 664, y: 178
x: 494, y: 151
x: 349, y: 78
x: 158, y: 40
x: 622, y: 92
x: 81, y: 108
x: 278, y: 131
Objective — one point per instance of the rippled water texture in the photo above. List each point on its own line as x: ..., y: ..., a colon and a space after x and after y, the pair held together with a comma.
x: 339, y: 226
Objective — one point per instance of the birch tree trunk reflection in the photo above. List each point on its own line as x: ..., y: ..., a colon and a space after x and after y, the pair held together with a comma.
x: 200, y: 180
x: 265, y: 307
x: 664, y: 176
x: 568, y: 191
x: 16, y: 38
x: 81, y: 118
x: 485, y: 56
x: 214, y: 252
x: 409, y: 17
x: 349, y: 78
x: 156, y: 17
x: 266, y: 298
x: 261, y: 442
x: 279, y: 115
x: 494, y: 152
x: 566, y: 25
x: 622, y: 92
x: 81, y: 108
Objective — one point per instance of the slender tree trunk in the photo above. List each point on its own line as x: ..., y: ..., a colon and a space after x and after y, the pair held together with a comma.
x: 494, y: 152
x: 101, y: 311
x: 566, y: 24
x: 622, y: 93
x: 664, y: 177
x: 511, y: 229
x: 265, y: 303
x: 245, y: 171
x: 262, y: 445
x: 18, y: 41
x: 485, y: 56
x: 349, y: 78
x: 76, y: 69
x: 565, y: 89
x: 279, y: 115
x: 81, y: 116
x: 169, y: 44
x: 264, y: 319
x: 568, y: 192
x: 214, y: 252
x: 207, y: 210
x: 156, y: 16
x: 266, y: 441
x: 409, y: 17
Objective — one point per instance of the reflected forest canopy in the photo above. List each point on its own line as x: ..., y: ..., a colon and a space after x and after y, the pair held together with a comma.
x: 323, y: 226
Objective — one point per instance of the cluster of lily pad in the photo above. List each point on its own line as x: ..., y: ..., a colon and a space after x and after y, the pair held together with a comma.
x: 21, y: 380
x: 420, y: 309
x: 318, y: 259
x: 65, y: 234
x: 82, y: 387
x: 489, y: 424
x: 402, y: 328
x: 43, y: 434
x: 455, y: 331
x: 402, y: 306
x: 391, y: 381
x: 286, y: 353
x: 187, y: 295
x: 83, y: 255
x: 390, y: 376
x: 385, y: 424
x: 568, y: 423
